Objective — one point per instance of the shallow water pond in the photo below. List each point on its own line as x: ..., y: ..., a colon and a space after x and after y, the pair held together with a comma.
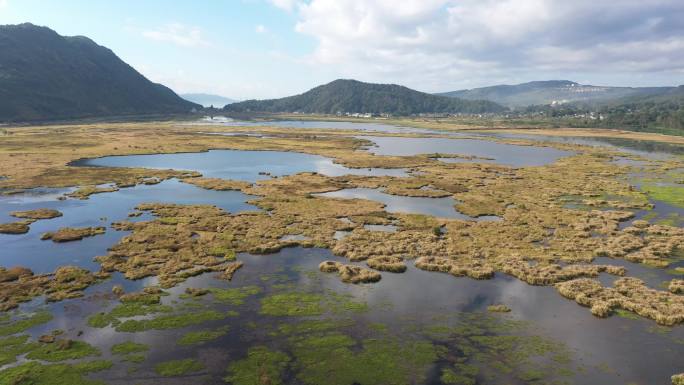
x: 248, y: 166
x: 645, y: 148
x: 318, y: 124
x: 100, y: 210
x: 438, y: 207
x: 502, y: 153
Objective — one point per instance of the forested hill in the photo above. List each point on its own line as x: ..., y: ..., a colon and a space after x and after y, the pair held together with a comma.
x: 45, y: 76
x: 552, y: 91
x: 351, y: 96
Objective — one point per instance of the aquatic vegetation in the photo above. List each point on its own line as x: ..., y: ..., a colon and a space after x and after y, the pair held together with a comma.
x: 217, y: 183
x: 18, y: 325
x: 234, y: 296
x: 676, y: 286
x: 11, y: 347
x: 350, y: 273
x: 472, y: 269
x: 292, y: 304
x: 492, y: 349
x: 178, y: 367
x: 129, y: 347
x: 230, y: 270
x: 148, y: 296
x: 262, y: 366
x: 202, y: 336
x: 461, y: 375
x: 309, y: 304
x: 171, y: 321
x: 15, y: 228
x: 329, y: 359
x: 194, y: 292
x: 388, y: 263
x: 35, y: 373
x: 29, y: 216
x: 86, y: 191
x: 557, y: 243
x: 14, y: 273
x: 68, y: 234
x: 628, y: 294
x: 310, y: 326
x: 678, y: 379
x: 500, y: 308
x: 126, y: 310
x: 548, y: 274
x: 673, y: 195
x: 63, y: 349
x: 37, y: 214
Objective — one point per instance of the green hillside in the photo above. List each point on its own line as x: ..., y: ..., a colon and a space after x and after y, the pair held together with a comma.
x: 45, y: 76
x: 341, y: 96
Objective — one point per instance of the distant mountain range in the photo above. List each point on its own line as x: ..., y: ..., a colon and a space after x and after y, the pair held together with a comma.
x: 208, y: 100
x: 553, y: 92
x: 352, y: 96
x: 45, y: 76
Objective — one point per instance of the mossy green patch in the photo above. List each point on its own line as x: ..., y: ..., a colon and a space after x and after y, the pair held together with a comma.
x: 292, y: 304
x: 202, y: 336
x: 34, y: 373
x: 489, y: 349
x: 135, y: 358
x: 627, y: 314
x: 223, y: 252
x: 171, y: 321
x: 178, y: 367
x: 24, y: 323
x: 11, y: 347
x: 673, y: 195
x: 129, y: 347
x: 234, y: 296
x: 333, y: 359
x: 63, y: 350
x: 262, y: 366
x: 125, y: 310
x: 311, y: 326
x: 459, y: 375
x: 309, y: 304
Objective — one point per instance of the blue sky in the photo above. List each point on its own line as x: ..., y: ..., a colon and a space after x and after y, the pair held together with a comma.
x: 272, y: 48
x: 242, y: 49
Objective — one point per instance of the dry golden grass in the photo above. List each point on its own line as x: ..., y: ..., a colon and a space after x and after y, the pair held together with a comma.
x: 68, y: 234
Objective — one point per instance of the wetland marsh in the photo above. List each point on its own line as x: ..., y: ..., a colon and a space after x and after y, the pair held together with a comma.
x: 209, y: 266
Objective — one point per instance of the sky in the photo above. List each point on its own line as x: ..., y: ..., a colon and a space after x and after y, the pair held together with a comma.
x: 246, y: 49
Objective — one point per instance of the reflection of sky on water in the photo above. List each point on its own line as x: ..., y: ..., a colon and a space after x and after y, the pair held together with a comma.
x: 420, y: 296
x: 239, y: 165
x: 413, y: 300
x: 314, y: 124
x: 100, y: 210
x: 507, y: 154
x: 645, y: 148
x: 439, y: 207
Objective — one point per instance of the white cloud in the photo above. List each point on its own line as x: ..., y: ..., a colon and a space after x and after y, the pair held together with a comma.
x: 3, y: 3
x: 287, y: 5
x: 179, y: 34
x: 434, y: 44
x: 260, y: 29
